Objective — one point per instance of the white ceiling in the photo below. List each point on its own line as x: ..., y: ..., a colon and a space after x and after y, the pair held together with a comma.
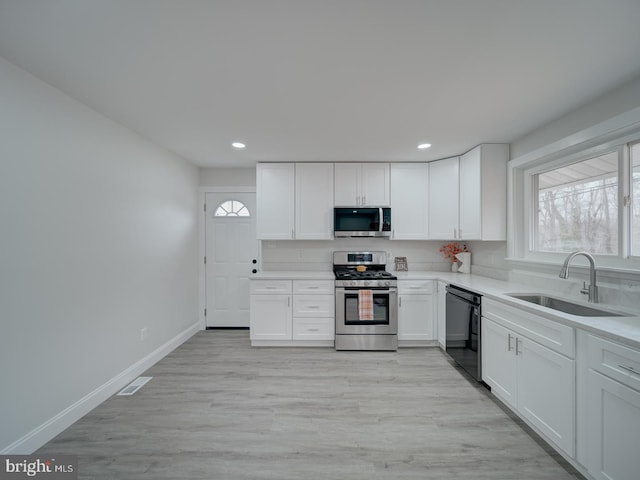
x: 328, y: 80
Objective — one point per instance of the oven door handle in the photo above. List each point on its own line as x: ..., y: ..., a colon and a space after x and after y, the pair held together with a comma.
x: 374, y: 289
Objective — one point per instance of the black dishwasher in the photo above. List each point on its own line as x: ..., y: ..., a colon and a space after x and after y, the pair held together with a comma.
x: 463, y: 329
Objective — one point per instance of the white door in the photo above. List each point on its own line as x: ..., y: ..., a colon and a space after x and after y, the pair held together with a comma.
x: 443, y: 199
x: 231, y: 256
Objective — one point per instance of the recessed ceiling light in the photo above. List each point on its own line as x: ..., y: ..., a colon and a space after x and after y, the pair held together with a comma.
x: 238, y: 145
x: 424, y: 146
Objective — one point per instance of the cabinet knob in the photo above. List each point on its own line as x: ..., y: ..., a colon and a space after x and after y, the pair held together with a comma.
x: 254, y: 271
x: 254, y: 261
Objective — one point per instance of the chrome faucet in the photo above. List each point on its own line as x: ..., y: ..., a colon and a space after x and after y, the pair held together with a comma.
x: 592, y: 290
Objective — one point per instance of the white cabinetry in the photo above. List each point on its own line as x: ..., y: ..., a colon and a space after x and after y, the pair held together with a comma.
x: 314, y: 201
x: 294, y: 201
x: 442, y: 315
x: 416, y: 312
x: 529, y: 363
x: 468, y: 195
x: 275, y: 193
x: 314, y: 311
x: 613, y: 410
x: 292, y: 312
x: 409, y: 201
x: 270, y: 310
x: 362, y: 184
x: 443, y: 199
x: 483, y: 193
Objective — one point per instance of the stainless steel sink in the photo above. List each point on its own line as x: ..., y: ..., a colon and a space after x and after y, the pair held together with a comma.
x: 565, y: 306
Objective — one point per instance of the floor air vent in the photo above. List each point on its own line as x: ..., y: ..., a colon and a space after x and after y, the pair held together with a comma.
x: 134, y: 386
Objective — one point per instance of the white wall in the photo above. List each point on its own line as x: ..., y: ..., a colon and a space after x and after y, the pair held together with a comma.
x: 615, y: 102
x: 98, y: 240
x: 228, y: 177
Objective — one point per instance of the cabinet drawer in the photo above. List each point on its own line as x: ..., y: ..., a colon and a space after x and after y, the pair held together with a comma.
x: 408, y: 287
x: 549, y: 333
x: 270, y: 286
x: 313, y: 329
x: 313, y: 306
x: 614, y: 360
x: 321, y: 287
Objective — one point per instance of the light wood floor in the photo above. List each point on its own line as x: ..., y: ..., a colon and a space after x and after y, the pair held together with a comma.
x: 219, y: 409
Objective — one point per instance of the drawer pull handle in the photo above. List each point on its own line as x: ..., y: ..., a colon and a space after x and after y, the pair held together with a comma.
x: 313, y: 306
x: 314, y: 329
x: 629, y: 369
x: 313, y: 288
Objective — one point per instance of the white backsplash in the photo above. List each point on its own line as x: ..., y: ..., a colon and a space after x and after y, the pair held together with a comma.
x: 487, y: 258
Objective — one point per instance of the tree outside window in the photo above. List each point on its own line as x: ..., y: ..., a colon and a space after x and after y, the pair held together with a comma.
x: 578, y: 206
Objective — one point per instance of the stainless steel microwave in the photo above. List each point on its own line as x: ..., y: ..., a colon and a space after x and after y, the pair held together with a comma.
x: 362, y: 222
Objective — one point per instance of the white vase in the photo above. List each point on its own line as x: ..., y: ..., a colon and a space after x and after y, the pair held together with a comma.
x: 454, y: 267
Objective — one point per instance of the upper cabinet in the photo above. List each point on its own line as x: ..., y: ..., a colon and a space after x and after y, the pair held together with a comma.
x: 443, y: 199
x: 468, y: 195
x: 314, y: 201
x: 295, y: 201
x: 275, y: 195
x: 409, y: 201
x: 483, y: 193
x: 362, y: 184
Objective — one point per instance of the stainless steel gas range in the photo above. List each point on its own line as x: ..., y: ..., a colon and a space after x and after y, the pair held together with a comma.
x: 366, y: 302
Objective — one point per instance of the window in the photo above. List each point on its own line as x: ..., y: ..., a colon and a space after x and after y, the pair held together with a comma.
x: 232, y: 208
x: 577, y: 206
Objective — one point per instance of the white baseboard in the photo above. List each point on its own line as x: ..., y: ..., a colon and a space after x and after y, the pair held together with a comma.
x: 67, y: 417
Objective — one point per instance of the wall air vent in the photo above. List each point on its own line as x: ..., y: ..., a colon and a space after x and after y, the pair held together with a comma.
x: 134, y: 386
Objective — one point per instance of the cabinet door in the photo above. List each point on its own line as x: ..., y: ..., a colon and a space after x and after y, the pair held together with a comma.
x: 443, y: 199
x: 546, y: 392
x: 275, y: 187
x: 442, y: 315
x: 314, y: 201
x: 375, y: 185
x: 409, y: 201
x: 499, y: 368
x: 613, y: 412
x: 415, y: 317
x: 347, y: 184
x: 471, y: 196
x: 270, y: 317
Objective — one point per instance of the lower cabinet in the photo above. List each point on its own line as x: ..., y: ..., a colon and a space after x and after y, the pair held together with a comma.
x: 537, y: 382
x: 613, y: 410
x: 270, y: 317
x: 292, y: 313
x: 416, y: 313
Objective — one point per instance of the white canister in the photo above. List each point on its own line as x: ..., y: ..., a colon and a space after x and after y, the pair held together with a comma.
x: 465, y: 262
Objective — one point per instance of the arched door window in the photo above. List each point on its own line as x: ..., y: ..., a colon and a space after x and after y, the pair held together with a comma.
x: 232, y: 208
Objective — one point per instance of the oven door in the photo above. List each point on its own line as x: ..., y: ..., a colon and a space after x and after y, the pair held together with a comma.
x: 385, y: 312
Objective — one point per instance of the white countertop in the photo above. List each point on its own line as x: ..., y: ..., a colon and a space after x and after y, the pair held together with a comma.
x: 622, y: 329
x: 293, y: 275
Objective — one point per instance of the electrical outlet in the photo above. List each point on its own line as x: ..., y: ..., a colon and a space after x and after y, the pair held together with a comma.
x: 144, y: 332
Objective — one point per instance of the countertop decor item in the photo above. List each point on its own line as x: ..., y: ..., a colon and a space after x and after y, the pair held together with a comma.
x: 401, y: 264
x: 465, y: 262
x: 450, y: 250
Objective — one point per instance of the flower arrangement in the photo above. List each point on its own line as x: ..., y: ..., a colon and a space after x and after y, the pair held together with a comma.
x: 450, y: 250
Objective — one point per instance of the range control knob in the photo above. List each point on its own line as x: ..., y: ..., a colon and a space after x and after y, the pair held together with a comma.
x: 387, y: 283
x: 367, y: 283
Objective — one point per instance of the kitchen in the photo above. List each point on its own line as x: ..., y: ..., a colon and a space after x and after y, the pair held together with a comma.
x: 83, y: 279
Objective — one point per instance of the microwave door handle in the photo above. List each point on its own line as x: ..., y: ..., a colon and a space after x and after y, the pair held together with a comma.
x: 380, y: 220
